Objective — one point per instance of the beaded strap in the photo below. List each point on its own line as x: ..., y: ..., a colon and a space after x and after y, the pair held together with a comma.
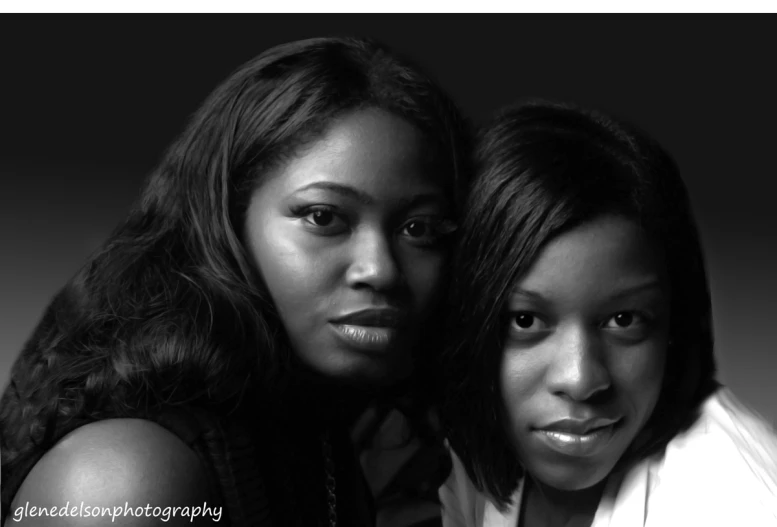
x: 329, y: 466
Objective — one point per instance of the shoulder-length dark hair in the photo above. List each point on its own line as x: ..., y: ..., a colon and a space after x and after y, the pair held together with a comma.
x: 540, y: 169
x: 169, y: 311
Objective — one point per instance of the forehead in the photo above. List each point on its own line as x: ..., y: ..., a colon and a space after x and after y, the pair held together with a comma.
x: 598, y: 258
x: 370, y: 149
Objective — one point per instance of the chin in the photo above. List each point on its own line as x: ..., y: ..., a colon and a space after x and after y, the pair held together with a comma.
x: 572, y: 479
x: 379, y: 376
x: 369, y: 373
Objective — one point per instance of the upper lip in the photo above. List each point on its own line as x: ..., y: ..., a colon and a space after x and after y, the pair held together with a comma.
x: 379, y: 317
x: 578, y: 426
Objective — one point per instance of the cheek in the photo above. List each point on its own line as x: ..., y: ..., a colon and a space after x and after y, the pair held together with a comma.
x: 426, y: 276
x: 517, y: 377
x: 640, y: 374
x: 295, y: 274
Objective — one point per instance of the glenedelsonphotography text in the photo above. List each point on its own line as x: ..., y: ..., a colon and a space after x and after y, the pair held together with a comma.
x: 86, y: 511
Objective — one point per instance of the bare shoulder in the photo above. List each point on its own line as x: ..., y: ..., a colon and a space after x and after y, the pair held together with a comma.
x: 127, y: 472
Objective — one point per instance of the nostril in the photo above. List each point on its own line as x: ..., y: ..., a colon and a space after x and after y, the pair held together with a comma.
x: 601, y: 396
x: 374, y: 266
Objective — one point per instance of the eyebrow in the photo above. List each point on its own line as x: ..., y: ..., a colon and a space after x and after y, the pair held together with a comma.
x: 651, y: 284
x: 344, y: 190
x: 639, y: 287
x: 350, y: 192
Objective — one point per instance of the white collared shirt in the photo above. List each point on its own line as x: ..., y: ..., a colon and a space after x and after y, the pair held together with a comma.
x: 720, y: 472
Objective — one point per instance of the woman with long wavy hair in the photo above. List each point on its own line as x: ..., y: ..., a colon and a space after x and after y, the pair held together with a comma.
x: 275, y: 276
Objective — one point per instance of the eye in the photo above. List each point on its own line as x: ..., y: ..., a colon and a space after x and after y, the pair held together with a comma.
x: 426, y: 231
x: 632, y: 326
x: 625, y: 320
x: 527, y: 322
x: 323, y: 220
x: 416, y: 229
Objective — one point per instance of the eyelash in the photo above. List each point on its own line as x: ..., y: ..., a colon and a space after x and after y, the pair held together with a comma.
x: 517, y: 314
x: 640, y: 320
x: 308, y: 211
x: 443, y: 227
x: 526, y: 334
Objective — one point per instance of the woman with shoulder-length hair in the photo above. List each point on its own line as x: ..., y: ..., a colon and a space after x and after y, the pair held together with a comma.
x: 276, y: 274
x: 579, y: 381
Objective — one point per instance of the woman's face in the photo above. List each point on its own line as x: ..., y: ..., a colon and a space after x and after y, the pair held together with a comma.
x: 584, y: 352
x: 348, y: 238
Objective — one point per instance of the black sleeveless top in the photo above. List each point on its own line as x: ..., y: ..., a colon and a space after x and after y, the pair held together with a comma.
x: 259, y: 475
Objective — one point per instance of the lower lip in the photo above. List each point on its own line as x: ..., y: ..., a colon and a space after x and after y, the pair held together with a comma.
x: 585, y: 445
x: 367, y: 338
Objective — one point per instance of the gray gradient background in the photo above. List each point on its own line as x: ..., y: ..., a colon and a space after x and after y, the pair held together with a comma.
x: 88, y: 103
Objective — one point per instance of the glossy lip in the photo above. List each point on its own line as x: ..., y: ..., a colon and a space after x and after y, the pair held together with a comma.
x: 375, y: 329
x: 578, y: 426
x: 387, y: 317
x: 577, y: 438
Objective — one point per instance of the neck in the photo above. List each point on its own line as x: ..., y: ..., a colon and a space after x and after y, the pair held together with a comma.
x: 325, y: 403
x: 551, y: 507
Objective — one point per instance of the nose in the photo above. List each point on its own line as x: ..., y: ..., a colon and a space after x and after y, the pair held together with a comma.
x: 373, y: 263
x: 578, y: 370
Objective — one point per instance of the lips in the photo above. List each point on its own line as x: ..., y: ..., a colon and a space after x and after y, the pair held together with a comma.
x: 578, y: 426
x: 578, y: 438
x: 375, y: 329
x: 375, y: 317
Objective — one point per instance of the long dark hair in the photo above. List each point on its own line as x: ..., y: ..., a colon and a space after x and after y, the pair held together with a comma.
x: 542, y: 168
x: 169, y: 311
